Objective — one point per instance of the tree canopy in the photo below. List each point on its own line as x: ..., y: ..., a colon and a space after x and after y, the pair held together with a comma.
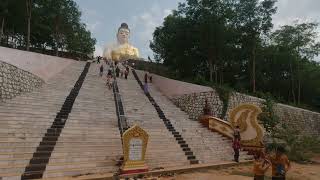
x: 54, y: 26
x: 231, y: 43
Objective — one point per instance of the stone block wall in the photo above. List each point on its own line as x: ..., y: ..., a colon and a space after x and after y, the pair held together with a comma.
x: 14, y: 81
x: 306, y: 121
x: 236, y: 99
x: 194, y: 103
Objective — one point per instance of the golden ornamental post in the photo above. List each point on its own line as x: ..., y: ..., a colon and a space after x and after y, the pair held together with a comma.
x: 135, y: 141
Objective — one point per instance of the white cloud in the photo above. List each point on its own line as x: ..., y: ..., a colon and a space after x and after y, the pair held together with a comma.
x: 98, y: 50
x: 297, y: 11
x: 93, y: 26
x: 146, y: 22
x: 289, y: 11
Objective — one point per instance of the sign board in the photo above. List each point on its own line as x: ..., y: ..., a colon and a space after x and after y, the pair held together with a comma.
x: 135, y: 149
x: 135, y: 141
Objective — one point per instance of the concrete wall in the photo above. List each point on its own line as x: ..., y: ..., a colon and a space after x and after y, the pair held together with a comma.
x: 14, y: 81
x: 44, y: 66
x: 171, y: 87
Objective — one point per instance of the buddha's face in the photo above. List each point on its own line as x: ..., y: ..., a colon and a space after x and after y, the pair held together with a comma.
x: 123, y: 35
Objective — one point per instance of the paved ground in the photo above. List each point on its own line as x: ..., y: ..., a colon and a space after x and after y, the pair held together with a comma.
x: 244, y: 172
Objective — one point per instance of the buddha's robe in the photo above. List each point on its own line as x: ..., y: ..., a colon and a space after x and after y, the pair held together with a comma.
x: 120, y: 52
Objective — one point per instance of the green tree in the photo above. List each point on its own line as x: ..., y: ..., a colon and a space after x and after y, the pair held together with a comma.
x: 3, y: 15
x: 193, y: 40
x: 29, y: 13
x: 230, y: 43
x: 299, y: 43
x: 55, y: 25
x: 253, y: 20
x: 174, y: 44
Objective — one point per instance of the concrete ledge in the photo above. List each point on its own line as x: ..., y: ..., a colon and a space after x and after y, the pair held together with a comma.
x: 171, y: 87
x: 179, y: 169
x: 183, y: 169
x: 44, y: 66
x: 107, y: 176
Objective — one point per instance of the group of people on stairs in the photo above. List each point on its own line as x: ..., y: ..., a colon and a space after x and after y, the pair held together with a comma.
x: 277, y: 159
x: 115, y: 68
x: 110, y: 72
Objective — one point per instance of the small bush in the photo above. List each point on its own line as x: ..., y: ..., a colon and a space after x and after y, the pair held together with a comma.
x: 224, y: 95
x: 268, y: 117
x: 300, y: 148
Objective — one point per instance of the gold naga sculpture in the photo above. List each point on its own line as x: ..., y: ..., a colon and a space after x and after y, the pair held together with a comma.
x: 121, y: 50
x: 244, y: 116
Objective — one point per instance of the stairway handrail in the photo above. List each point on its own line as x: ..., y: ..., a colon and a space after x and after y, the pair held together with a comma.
x: 122, y: 123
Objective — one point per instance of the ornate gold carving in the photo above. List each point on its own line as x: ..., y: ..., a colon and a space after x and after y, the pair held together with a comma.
x: 212, y: 124
x: 223, y: 128
x: 220, y: 126
x: 241, y: 121
x: 249, y: 114
x: 243, y: 116
x: 137, y: 133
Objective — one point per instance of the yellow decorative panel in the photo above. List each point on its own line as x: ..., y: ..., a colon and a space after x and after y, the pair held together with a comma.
x: 245, y: 116
x: 135, y: 141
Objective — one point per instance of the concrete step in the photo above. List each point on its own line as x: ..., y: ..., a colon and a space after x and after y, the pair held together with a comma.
x: 207, y: 146
x: 65, y: 152
x: 65, y: 167
x: 16, y: 115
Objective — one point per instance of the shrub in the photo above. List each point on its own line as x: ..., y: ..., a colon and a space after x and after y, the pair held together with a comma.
x: 268, y: 117
x: 224, y: 95
x: 299, y: 147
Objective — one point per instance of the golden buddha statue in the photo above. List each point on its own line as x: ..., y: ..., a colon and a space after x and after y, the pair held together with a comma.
x: 122, y: 50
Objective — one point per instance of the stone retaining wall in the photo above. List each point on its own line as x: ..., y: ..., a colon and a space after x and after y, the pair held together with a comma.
x: 193, y: 103
x: 14, y: 81
x: 306, y: 121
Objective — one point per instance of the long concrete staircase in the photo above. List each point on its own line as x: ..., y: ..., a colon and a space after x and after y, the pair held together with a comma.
x: 69, y: 127
x: 25, y: 119
x: 163, y: 150
x: 89, y: 141
x: 208, y: 146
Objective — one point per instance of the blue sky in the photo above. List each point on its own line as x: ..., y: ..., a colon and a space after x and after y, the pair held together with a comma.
x: 103, y: 17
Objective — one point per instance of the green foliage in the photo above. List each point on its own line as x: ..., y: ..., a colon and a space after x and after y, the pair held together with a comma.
x: 55, y: 26
x: 268, y: 117
x: 224, y: 95
x: 230, y: 43
x: 300, y: 147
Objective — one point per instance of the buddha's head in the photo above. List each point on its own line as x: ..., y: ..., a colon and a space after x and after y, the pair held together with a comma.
x: 123, y: 33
